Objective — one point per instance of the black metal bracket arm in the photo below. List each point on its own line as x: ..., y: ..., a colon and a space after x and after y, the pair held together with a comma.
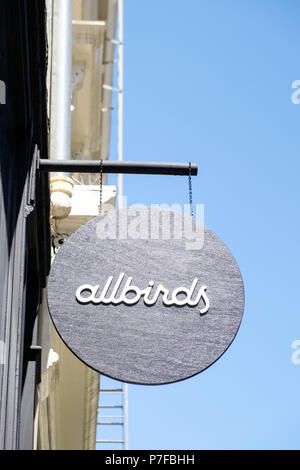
x: 125, y: 167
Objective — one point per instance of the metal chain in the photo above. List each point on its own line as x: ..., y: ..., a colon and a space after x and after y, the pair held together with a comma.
x: 190, y: 190
x: 101, y: 186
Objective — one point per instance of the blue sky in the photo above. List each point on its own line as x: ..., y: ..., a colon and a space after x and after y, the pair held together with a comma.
x: 210, y: 81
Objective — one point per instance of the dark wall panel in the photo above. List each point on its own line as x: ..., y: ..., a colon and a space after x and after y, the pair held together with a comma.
x: 24, y: 254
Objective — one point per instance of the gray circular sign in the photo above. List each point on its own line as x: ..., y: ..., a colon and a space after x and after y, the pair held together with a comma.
x: 145, y: 295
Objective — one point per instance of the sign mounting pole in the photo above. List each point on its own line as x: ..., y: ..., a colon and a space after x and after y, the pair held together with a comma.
x: 120, y: 97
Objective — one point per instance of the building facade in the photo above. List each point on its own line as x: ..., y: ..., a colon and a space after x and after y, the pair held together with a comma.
x: 48, y: 398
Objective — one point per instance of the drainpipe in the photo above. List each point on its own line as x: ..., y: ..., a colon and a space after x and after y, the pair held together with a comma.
x: 61, y: 184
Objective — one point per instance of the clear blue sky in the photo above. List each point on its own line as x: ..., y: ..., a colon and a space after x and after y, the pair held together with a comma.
x: 210, y: 81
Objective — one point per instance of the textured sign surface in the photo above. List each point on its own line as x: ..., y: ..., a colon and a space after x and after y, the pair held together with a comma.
x: 134, y: 299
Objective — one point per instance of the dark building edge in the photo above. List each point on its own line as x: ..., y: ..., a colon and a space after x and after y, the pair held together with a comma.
x: 24, y: 213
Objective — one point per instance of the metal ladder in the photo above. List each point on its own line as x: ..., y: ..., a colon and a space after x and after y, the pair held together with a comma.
x: 114, y: 424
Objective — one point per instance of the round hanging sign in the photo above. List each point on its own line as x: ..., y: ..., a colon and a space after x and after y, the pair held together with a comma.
x: 146, y: 295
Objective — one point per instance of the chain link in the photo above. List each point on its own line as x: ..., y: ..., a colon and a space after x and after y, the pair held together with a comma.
x: 101, y: 187
x: 190, y: 190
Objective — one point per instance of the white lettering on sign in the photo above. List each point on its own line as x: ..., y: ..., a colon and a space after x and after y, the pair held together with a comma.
x: 138, y: 293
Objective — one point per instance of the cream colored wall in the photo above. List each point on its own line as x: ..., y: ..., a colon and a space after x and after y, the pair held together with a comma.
x: 77, y: 9
x: 67, y: 397
x: 90, y: 9
x: 67, y: 401
x: 75, y: 401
